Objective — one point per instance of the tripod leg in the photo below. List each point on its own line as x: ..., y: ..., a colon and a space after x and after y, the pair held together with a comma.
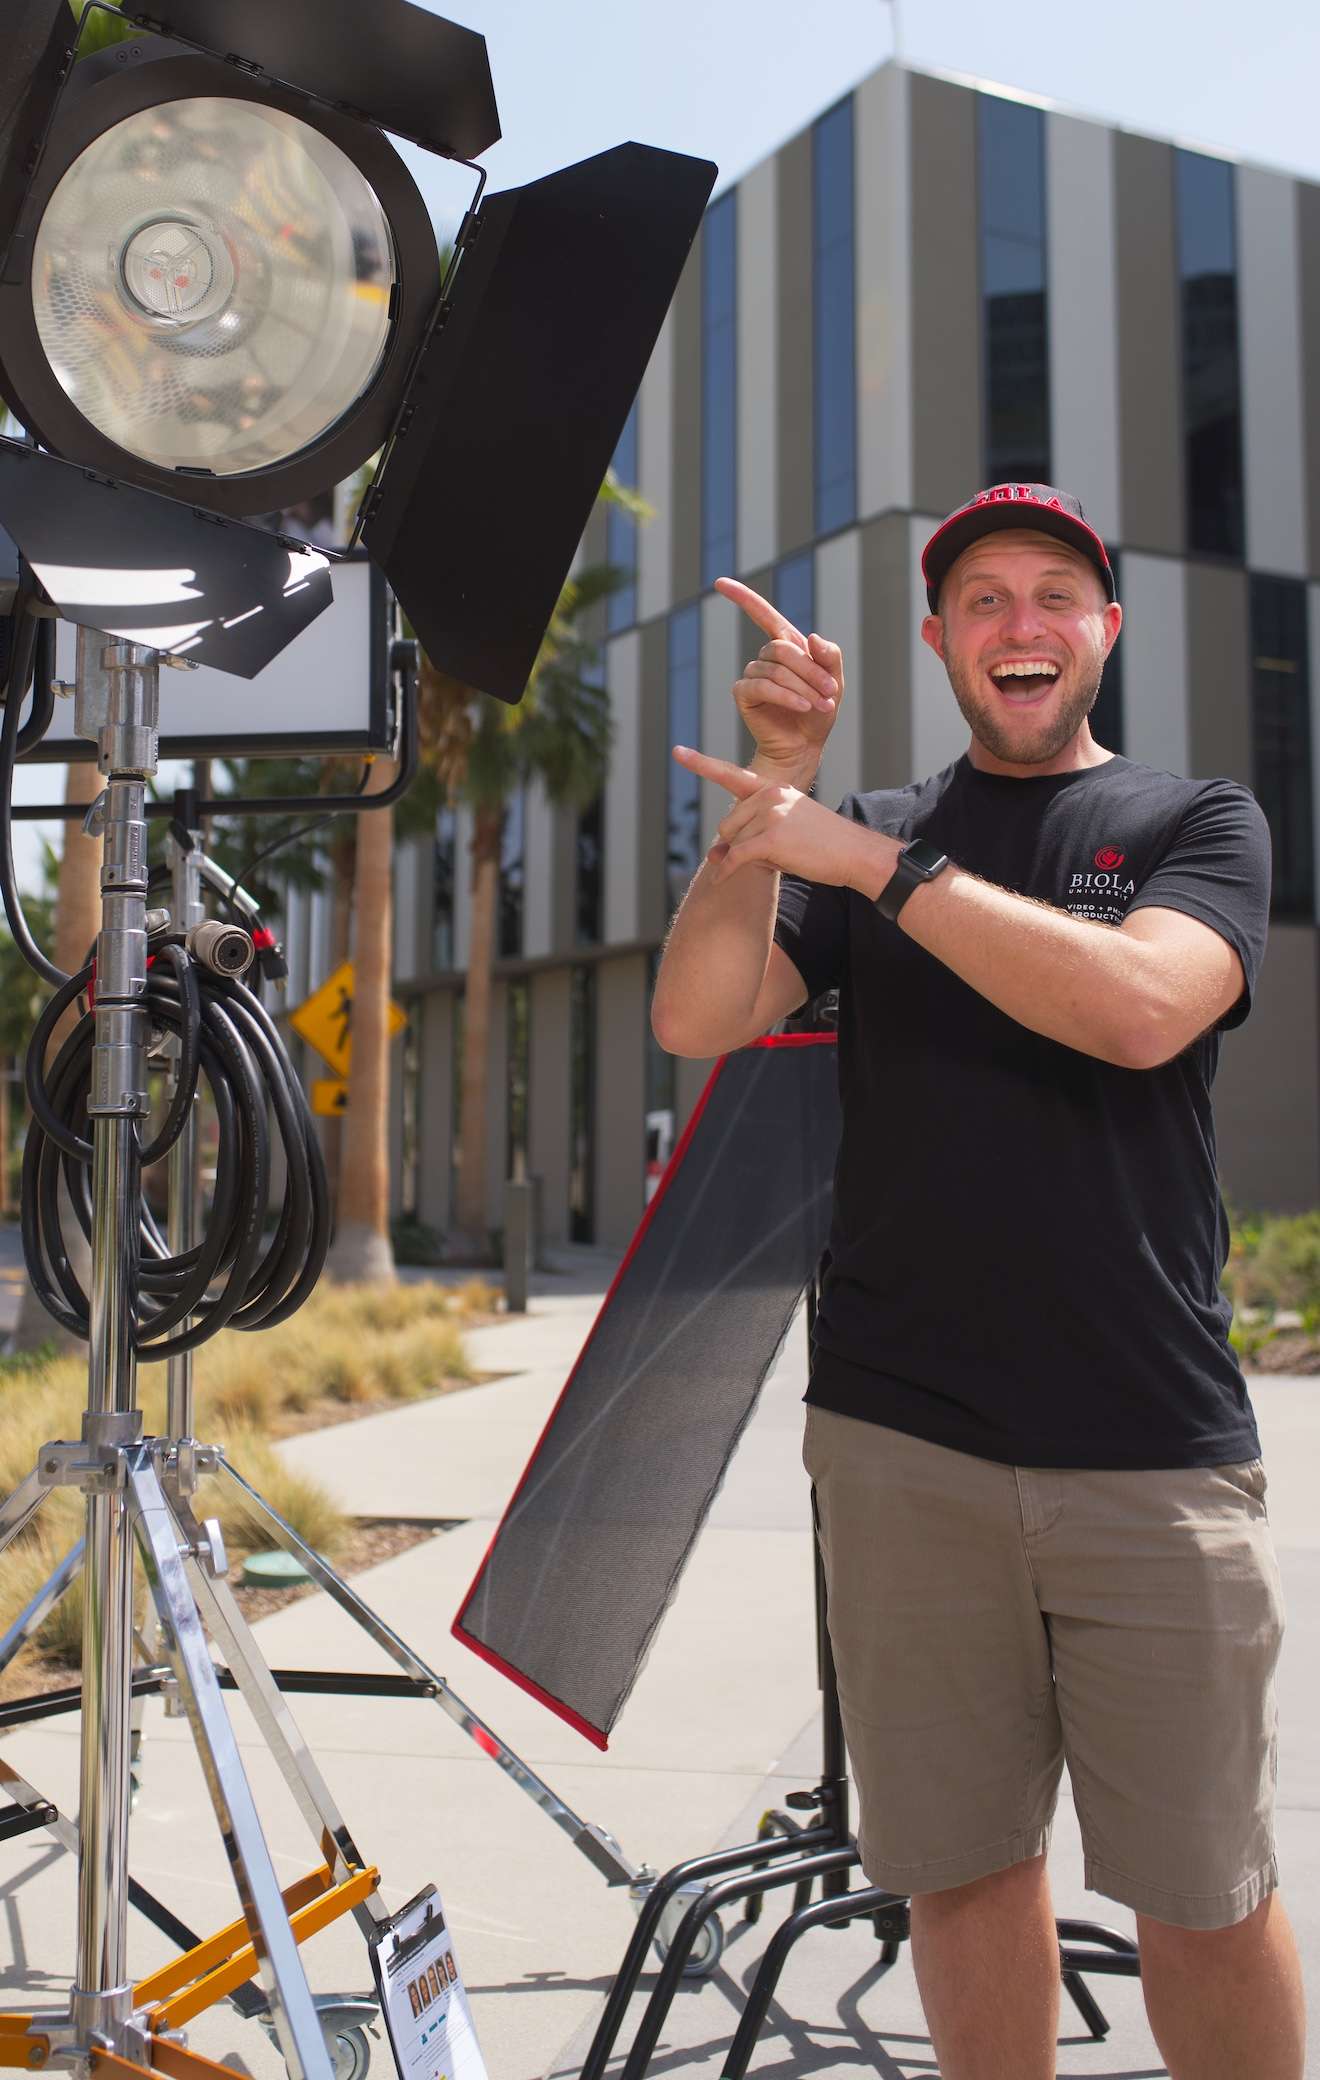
x: 18, y: 1509
x: 599, y: 1848
x: 1092, y: 2014
x: 43, y: 1603
x: 282, y: 1975
x: 280, y: 1730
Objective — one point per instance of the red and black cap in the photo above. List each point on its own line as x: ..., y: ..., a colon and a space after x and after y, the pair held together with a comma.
x: 1037, y: 506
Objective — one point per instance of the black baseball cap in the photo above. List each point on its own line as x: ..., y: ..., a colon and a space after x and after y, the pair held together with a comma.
x: 1037, y: 506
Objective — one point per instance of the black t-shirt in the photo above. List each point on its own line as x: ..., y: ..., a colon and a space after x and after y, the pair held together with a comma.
x: 1026, y: 1241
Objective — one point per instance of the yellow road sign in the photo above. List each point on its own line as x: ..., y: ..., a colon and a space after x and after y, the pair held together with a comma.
x: 329, y: 1096
x: 325, y: 1020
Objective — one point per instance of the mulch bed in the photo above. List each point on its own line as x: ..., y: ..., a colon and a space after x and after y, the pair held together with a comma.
x: 1288, y: 1350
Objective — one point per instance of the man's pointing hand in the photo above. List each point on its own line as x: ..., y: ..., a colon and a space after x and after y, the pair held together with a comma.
x: 789, y: 693
x: 774, y: 826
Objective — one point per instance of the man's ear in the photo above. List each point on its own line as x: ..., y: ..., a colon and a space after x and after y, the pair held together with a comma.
x: 1113, y: 623
x: 932, y: 632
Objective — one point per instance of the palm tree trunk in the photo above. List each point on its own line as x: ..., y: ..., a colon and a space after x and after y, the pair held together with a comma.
x: 77, y: 922
x: 362, y: 1248
x: 78, y: 896
x: 471, y: 1236
x: 343, y: 854
x: 6, y: 1124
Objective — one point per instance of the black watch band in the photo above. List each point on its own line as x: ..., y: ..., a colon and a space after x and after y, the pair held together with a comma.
x: 918, y: 863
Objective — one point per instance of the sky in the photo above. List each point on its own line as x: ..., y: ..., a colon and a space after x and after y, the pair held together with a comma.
x: 732, y: 79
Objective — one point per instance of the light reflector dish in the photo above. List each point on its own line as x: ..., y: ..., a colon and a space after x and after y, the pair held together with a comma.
x: 211, y: 284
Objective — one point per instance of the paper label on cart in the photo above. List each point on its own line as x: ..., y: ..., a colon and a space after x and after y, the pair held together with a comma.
x: 422, y: 1995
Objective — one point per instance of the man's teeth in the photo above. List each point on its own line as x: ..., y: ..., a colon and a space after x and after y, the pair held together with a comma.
x: 1038, y: 670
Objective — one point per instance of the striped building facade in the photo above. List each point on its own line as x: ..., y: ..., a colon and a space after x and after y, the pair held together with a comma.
x: 933, y: 287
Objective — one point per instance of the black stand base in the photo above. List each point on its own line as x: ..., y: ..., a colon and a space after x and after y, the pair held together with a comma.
x: 784, y: 1855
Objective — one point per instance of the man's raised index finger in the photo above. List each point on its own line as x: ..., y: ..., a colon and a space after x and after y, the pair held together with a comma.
x: 759, y: 610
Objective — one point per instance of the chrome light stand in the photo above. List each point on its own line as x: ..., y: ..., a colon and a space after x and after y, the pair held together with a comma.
x: 141, y: 1489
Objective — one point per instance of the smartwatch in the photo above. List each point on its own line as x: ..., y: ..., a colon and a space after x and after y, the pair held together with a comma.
x: 918, y: 862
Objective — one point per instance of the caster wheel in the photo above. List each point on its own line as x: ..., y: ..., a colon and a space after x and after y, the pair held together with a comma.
x: 350, y: 2053
x: 708, y: 1949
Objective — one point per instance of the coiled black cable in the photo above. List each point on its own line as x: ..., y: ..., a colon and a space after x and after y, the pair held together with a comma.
x: 238, y: 1275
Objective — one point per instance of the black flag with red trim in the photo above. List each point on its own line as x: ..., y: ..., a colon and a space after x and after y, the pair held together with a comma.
x: 590, y: 1550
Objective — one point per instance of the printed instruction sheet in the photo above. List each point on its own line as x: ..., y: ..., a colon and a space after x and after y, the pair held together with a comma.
x: 422, y: 1996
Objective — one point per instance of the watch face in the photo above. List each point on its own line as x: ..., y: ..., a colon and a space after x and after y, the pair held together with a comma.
x: 925, y: 857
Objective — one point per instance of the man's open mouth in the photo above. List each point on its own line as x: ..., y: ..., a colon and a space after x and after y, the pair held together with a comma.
x: 1026, y: 679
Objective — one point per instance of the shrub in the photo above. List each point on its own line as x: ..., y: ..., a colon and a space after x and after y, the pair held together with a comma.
x: 1274, y: 1262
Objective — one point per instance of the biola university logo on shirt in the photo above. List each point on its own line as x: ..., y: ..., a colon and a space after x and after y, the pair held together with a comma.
x: 1101, y: 893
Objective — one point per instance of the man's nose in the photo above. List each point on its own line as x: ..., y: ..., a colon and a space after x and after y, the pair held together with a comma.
x: 1022, y: 620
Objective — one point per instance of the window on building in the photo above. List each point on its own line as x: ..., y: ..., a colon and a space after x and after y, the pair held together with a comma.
x: 458, y: 1005
x: 661, y: 1094
x: 683, y: 823
x: 1211, y: 372
x: 833, y: 317
x: 794, y: 590
x: 1011, y: 148
x: 518, y: 1045
x: 410, y: 1094
x: 589, y: 910
x: 513, y: 840
x: 1281, y: 737
x: 442, y: 925
x: 719, y: 380
x: 582, y: 1105
x: 1107, y: 714
x: 621, y: 532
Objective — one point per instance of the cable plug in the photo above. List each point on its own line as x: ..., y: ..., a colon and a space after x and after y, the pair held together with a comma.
x: 270, y: 954
x: 225, y: 949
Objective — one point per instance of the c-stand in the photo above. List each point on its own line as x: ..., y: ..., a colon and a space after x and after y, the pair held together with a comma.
x: 786, y: 1853
x: 145, y: 1489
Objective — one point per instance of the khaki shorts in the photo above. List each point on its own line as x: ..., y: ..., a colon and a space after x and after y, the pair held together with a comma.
x: 991, y: 1622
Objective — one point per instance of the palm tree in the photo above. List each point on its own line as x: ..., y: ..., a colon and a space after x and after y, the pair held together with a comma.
x: 362, y: 1247
x: 482, y: 752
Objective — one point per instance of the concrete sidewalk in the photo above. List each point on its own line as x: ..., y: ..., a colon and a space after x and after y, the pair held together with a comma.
x: 722, y: 1724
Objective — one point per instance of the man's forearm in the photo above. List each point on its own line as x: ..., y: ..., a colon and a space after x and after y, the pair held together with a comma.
x: 1088, y: 985
x: 718, y: 949
x: 715, y: 961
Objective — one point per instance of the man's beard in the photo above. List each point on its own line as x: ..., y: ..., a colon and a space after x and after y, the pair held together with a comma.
x: 991, y: 727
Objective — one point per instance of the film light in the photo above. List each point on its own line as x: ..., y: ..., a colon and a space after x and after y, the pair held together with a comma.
x: 218, y: 283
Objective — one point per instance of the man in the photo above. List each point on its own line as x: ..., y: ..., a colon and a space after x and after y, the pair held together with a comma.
x: 1036, y: 1467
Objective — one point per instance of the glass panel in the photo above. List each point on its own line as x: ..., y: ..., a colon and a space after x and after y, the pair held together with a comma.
x: 589, y: 914
x: 511, y: 878
x: 519, y: 1060
x: 1107, y: 714
x: 621, y: 532
x: 1011, y: 145
x: 719, y: 380
x: 455, y: 1099
x: 1281, y: 737
x: 442, y: 928
x: 661, y: 1095
x: 835, y: 351
x: 795, y: 590
x: 411, y: 1096
x: 582, y: 1106
x: 683, y: 848
x: 1211, y: 377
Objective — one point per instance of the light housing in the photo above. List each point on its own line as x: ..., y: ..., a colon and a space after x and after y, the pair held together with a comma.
x: 498, y: 396
x: 166, y: 139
